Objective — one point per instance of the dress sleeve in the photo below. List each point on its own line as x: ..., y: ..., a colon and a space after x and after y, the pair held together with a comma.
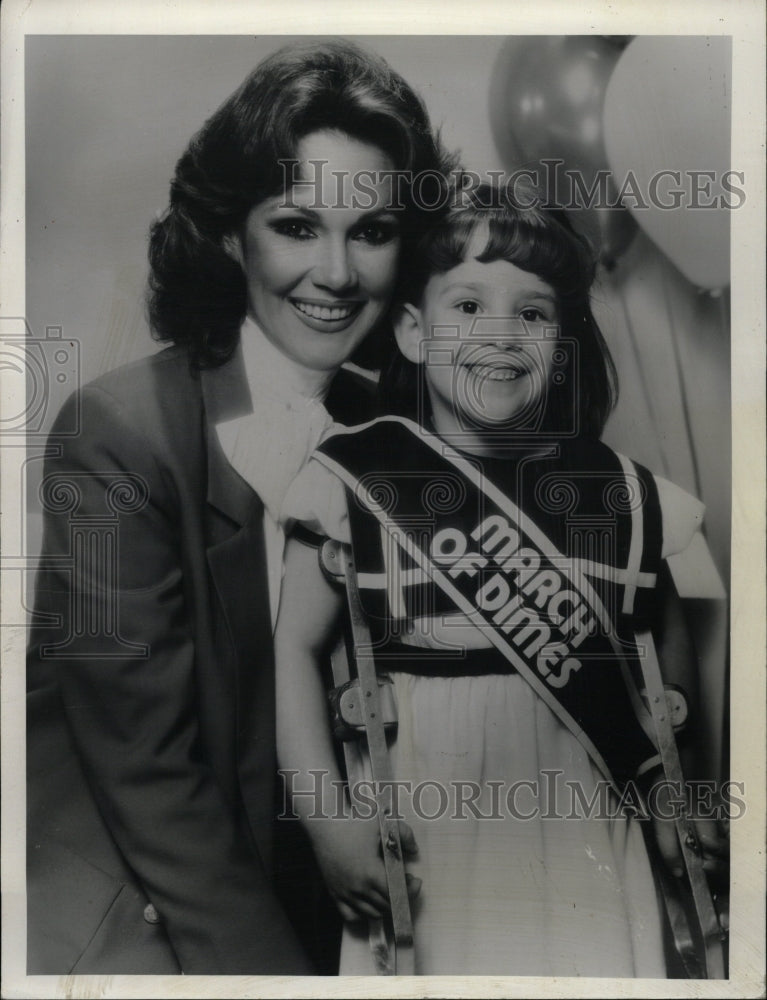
x: 682, y: 516
x: 317, y: 500
x: 684, y: 547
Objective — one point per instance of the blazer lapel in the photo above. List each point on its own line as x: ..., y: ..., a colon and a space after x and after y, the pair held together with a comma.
x: 237, y: 562
x: 225, y: 396
x: 236, y: 551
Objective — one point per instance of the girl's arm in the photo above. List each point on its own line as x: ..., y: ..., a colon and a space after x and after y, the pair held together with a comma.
x: 347, y: 847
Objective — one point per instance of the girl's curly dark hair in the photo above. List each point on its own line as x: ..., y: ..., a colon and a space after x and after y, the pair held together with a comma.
x: 197, y: 292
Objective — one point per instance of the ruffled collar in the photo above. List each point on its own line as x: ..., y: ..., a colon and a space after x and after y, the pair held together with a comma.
x: 271, y: 443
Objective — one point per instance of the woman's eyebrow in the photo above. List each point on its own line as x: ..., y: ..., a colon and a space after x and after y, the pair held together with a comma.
x: 379, y: 213
x: 280, y: 206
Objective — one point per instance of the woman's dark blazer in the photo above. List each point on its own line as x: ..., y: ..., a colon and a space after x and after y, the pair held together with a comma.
x: 151, y: 744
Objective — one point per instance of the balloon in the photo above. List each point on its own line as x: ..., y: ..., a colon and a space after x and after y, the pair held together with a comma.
x: 667, y: 109
x: 546, y: 103
x: 620, y: 40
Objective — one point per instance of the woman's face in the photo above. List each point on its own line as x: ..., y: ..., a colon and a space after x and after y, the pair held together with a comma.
x: 321, y: 260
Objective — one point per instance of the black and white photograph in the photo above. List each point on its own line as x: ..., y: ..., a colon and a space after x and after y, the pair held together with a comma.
x: 383, y: 553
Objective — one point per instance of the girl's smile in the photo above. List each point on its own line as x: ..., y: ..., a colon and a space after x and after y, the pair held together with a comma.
x: 497, y: 364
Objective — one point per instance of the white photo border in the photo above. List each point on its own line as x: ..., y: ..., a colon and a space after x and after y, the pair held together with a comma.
x: 744, y: 21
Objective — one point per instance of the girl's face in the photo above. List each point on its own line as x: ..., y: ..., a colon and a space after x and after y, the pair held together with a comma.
x: 487, y: 336
x: 321, y: 269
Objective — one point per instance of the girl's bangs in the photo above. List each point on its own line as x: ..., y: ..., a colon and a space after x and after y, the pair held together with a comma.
x: 449, y: 246
x: 538, y: 244
x: 528, y: 238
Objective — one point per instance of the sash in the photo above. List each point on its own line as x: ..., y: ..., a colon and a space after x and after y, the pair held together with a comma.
x: 559, y: 616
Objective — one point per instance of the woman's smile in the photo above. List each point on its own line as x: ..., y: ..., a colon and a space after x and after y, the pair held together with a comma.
x: 326, y: 316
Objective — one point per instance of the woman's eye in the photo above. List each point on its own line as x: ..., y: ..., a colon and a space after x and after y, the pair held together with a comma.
x: 469, y: 307
x: 377, y: 233
x: 294, y: 229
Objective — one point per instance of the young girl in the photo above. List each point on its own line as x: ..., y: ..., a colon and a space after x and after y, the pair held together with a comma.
x: 505, y: 560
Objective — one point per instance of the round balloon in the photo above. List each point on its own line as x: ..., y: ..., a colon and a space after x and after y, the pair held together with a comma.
x: 667, y: 133
x: 546, y: 110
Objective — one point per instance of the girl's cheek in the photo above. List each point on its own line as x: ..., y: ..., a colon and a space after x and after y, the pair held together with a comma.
x: 466, y: 329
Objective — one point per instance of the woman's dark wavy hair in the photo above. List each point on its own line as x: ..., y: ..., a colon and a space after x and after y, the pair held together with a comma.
x: 197, y: 292
x: 541, y: 240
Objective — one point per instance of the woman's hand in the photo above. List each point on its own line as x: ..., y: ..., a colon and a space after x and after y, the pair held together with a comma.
x: 349, y: 854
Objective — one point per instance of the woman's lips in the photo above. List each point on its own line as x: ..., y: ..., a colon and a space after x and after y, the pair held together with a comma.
x: 336, y: 312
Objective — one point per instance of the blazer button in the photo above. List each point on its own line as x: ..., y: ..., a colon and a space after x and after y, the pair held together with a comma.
x: 151, y: 915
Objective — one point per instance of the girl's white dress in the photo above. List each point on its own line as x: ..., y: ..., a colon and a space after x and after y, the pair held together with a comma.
x: 517, y: 878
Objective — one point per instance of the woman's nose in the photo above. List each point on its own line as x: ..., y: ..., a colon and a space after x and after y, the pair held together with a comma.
x: 334, y: 268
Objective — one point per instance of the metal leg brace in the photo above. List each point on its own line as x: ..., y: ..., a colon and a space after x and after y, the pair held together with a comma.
x: 368, y: 759
x: 708, y: 930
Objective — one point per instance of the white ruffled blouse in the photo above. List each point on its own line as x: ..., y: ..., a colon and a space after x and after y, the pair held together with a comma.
x: 270, y: 445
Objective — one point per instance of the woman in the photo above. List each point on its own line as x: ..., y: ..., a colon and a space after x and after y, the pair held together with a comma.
x: 151, y: 770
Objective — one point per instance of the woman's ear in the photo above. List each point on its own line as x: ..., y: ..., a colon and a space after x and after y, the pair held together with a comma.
x: 232, y: 245
x: 408, y: 331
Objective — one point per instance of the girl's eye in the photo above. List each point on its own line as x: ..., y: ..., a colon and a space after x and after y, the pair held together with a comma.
x: 469, y: 307
x: 533, y: 314
x: 293, y: 229
x: 377, y: 233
